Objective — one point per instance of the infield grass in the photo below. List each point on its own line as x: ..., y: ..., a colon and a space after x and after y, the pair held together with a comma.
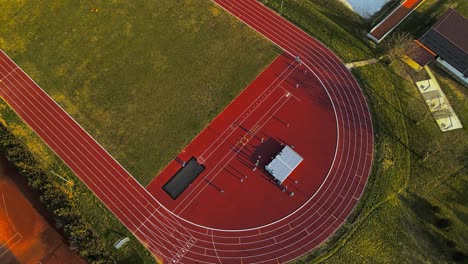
x: 142, y: 77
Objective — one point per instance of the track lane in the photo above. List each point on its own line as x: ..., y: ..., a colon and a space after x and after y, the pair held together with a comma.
x: 315, y: 222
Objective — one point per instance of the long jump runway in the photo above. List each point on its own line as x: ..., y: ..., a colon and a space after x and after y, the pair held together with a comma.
x: 178, y: 231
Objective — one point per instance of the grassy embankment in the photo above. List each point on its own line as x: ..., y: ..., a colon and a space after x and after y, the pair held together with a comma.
x: 414, y: 208
x: 142, y: 77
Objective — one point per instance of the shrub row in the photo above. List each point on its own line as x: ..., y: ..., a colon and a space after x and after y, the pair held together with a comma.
x: 57, y: 198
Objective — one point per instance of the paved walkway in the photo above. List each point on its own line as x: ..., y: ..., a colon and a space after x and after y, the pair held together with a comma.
x: 357, y: 64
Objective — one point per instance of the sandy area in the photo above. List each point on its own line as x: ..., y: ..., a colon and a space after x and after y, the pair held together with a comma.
x: 25, y: 236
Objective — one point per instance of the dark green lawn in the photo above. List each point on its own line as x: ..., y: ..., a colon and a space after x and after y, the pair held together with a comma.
x: 142, y: 77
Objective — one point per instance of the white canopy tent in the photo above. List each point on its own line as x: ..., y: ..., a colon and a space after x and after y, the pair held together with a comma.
x: 284, y: 164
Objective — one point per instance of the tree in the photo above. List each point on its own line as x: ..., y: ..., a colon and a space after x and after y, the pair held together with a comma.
x: 398, y: 45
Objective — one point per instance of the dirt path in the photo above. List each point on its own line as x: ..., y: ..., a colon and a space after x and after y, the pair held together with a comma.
x: 25, y: 236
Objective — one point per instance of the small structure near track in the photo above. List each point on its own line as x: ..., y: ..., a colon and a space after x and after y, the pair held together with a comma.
x: 183, y: 178
x: 121, y: 242
x: 284, y: 164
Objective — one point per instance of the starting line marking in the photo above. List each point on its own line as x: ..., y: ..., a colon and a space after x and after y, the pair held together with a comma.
x: 9, y: 248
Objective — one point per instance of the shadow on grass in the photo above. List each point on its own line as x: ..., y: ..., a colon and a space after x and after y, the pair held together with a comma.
x: 387, y: 132
x: 112, y: 231
x: 435, y: 226
x: 133, y: 258
x: 373, y: 91
x: 403, y: 80
x: 8, y: 258
x: 421, y: 207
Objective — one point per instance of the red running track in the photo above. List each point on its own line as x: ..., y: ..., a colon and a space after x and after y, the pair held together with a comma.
x: 174, y: 240
x: 271, y: 111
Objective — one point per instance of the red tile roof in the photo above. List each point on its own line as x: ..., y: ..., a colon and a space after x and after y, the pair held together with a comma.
x: 448, y: 38
x: 454, y: 27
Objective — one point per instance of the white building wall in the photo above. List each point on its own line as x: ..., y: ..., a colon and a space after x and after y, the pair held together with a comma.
x: 453, y: 72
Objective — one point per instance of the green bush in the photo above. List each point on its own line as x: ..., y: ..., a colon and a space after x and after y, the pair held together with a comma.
x: 56, y: 198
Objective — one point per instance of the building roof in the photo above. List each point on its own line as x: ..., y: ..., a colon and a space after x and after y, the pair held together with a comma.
x: 284, y: 164
x: 392, y: 20
x: 448, y: 38
x: 421, y: 54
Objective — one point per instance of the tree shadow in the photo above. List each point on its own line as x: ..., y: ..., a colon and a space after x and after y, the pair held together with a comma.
x: 394, y: 108
x: 392, y: 135
x: 133, y: 258
x: 421, y: 207
x: 412, y: 83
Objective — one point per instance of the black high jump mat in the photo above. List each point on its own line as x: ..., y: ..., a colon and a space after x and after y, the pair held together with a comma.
x: 183, y: 178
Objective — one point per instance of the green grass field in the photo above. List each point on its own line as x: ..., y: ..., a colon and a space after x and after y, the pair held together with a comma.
x: 414, y: 209
x: 142, y: 77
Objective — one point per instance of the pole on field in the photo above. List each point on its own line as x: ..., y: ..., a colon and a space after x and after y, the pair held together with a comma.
x: 281, y: 8
x: 60, y: 176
